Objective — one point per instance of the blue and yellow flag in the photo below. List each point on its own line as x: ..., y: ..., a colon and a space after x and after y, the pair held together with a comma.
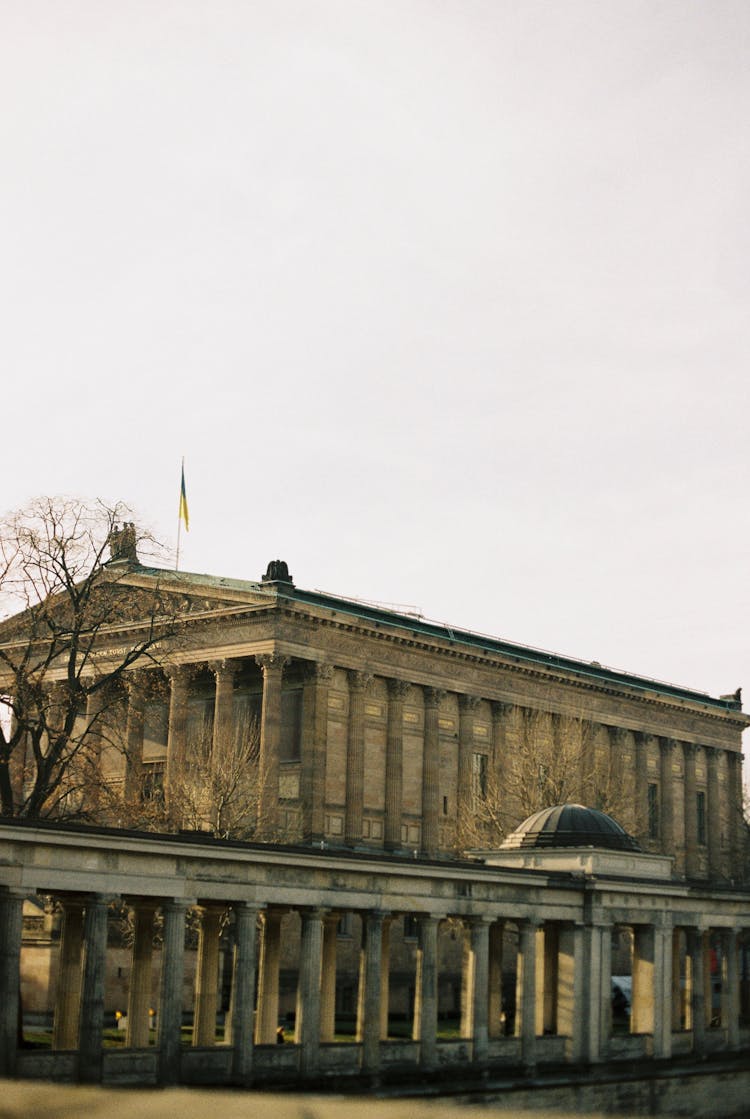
x: 184, y: 515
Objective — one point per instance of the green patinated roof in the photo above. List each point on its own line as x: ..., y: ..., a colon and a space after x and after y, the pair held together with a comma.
x: 419, y: 626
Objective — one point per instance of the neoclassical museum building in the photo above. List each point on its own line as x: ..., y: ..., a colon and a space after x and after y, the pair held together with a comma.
x: 414, y: 821
x: 386, y: 732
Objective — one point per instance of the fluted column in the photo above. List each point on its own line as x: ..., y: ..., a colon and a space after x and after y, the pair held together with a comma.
x: 736, y: 820
x: 692, y: 862
x: 272, y: 666
x: 307, y: 1023
x: 69, y: 971
x: 177, y: 734
x: 268, y: 978
x: 328, y: 980
x: 495, y: 980
x: 713, y: 812
x: 91, y: 1022
x: 731, y: 988
x: 663, y: 988
x: 426, y: 992
x: 394, y: 764
x: 477, y: 981
x: 526, y: 990
x: 501, y: 764
x: 314, y: 742
x: 139, y: 993
x: 135, y: 685
x: 223, y: 734
x: 243, y: 991
x: 169, y: 1019
x: 385, y: 977
x: 641, y: 785
x: 431, y: 773
x: 11, y: 920
x: 696, y: 983
x: 368, y: 1002
x: 207, y: 976
x: 359, y: 682
x: 666, y: 778
x: 570, y: 988
x: 467, y: 706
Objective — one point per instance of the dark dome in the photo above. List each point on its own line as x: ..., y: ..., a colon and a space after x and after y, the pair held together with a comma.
x: 570, y: 825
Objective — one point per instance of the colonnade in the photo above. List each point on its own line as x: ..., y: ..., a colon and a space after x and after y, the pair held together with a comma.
x: 687, y: 796
x: 562, y: 975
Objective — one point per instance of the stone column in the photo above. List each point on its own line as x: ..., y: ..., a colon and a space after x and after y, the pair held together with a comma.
x: 477, y: 981
x: 272, y: 666
x: 177, y: 734
x: 696, y: 969
x: 678, y: 997
x: 11, y: 921
x: 666, y: 780
x: 243, y: 992
x: 169, y: 1019
x: 495, y: 980
x: 570, y: 987
x: 642, y: 1004
x: 641, y: 785
x: 307, y: 1024
x: 314, y: 741
x: 546, y: 979
x: 91, y: 1022
x: 467, y: 705
x: 139, y: 993
x: 713, y: 812
x: 736, y: 821
x: 135, y: 683
x: 426, y: 992
x: 431, y: 773
x: 596, y: 991
x: 359, y: 682
x: 394, y: 776
x: 731, y: 988
x: 368, y: 1001
x: 385, y: 976
x: 328, y: 981
x: 68, y: 995
x: 692, y: 862
x: 268, y: 979
x: 500, y: 714
x: 223, y: 735
x: 663, y: 989
x: 207, y: 976
x: 526, y: 991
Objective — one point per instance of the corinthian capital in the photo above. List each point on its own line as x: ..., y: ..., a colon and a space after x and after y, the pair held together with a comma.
x: 271, y: 662
x: 359, y: 681
x: 433, y: 696
x: 468, y: 703
x: 398, y: 689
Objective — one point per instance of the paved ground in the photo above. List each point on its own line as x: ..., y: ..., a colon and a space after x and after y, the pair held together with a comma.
x: 22, y: 1100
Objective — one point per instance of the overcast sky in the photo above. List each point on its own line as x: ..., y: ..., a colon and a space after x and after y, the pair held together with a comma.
x: 445, y: 302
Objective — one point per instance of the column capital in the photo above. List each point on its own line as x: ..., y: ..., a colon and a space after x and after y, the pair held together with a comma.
x: 712, y: 755
x: 224, y: 666
x: 136, y: 681
x: 271, y: 662
x: 319, y: 671
x: 501, y: 708
x: 468, y: 703
x: 667, y: 745
x: 618, y: 734
x: 689, y: 750
x: 178, y: 673
x: 398, y: 689
x: 433, y: 696
x: 359, y: 680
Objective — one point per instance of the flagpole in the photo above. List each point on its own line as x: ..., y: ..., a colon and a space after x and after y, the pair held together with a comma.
x: 179, y: 518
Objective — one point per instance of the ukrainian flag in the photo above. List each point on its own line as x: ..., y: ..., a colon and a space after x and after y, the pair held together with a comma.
x: 184, y: 515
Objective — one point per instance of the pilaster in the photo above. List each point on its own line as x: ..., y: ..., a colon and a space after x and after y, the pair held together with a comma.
x: 394, y: 763
x: 359, y: 683
x: 431, y: 773
x: 272, y: 666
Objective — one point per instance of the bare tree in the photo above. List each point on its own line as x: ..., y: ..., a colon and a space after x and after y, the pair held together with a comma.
x: 547, y: 760
x: 70, y: 630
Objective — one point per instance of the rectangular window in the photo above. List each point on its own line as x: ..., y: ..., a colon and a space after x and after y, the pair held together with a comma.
x: 291, y: 725
x: 479, y: 776
x: 200, y: 726
x: 700, y: 807
x: 411, y: 927
x: 653, y: 811
x: 155, y: 729
x: 246, y: 713
x: 152, y: 787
